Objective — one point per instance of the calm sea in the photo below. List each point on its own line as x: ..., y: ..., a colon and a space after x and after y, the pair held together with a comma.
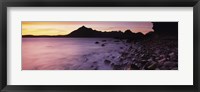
x: 68, y: 53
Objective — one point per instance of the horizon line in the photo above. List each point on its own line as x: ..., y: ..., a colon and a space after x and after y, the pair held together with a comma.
x: 85, y: 27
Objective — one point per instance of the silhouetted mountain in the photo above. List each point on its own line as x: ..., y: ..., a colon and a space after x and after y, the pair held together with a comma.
x: 84, y: 32
x: 89, y: 32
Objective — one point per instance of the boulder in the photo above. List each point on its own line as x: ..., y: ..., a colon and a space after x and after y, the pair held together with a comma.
x: 134, y: 67
x: 102, y: 45
x: 96, y: 42
x: 107, y: 61
x: 117, y: 67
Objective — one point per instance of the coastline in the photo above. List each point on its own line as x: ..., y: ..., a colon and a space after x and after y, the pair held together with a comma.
x: 143, y: 55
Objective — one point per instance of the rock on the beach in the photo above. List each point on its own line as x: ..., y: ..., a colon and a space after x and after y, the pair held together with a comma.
x: 113, y: 56
x: 150, y: 60
x: 170, y: 64
x: 117, y: 67
x: 175, y: 68
x: 96, y: 42
x: 157, y: 51
x: 171, y: 54
x: 102, y: 45
x: 161, y: 60
x: 162, y: 56
x: 96, y: 68
x: 142, y: 55
x: 134, y: 67
x: 157, y: 58
x: 112, y: 64
x: 107, y: 61
x: 116, y: 41
x: 150, y: 66
x: 91, y: 66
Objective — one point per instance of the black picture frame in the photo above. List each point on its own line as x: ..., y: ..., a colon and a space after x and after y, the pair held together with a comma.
x: 100, y: 3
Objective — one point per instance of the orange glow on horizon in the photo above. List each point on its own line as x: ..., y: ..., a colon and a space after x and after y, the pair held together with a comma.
x: 64, y: 28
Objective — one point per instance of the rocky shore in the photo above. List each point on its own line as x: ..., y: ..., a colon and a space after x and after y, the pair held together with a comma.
x: 157, y: 50
x: 157, y: 54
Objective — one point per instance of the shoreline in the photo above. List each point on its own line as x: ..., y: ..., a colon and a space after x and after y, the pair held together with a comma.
x: 147, y: 55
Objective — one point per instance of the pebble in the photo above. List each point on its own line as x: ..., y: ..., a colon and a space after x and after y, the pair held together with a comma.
x: 152, y: 66
x: 171, y: 54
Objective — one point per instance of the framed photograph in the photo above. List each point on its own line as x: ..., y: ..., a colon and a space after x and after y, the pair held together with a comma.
x: 87, y: 45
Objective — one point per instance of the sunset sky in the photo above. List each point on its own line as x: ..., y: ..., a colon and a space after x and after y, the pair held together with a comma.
x: 63, y: 28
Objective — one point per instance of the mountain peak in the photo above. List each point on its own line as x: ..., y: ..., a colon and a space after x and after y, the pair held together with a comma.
x: 128, y: 31
x: 83, y: 32
x: 83, y: 27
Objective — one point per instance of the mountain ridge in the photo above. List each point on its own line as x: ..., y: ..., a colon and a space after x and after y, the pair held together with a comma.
x: 84, y: 31
x: 89, y: 32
